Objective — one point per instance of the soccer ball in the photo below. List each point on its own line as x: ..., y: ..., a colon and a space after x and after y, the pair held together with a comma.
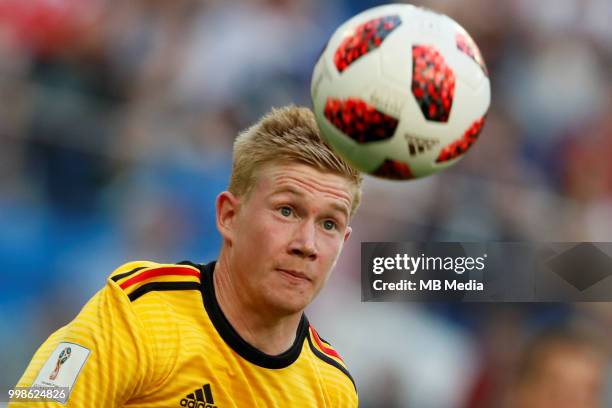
x: 400, y: 91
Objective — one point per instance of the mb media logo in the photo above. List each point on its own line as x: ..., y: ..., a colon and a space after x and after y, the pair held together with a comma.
x: 418, y: 145
x: 200, y: 398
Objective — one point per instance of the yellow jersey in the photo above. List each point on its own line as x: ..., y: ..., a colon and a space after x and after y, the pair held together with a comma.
x: 155, y: 336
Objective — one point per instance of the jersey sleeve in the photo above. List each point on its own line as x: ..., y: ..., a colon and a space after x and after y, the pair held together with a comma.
x: 106, y: 356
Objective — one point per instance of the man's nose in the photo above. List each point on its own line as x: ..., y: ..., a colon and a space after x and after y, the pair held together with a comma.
x: 303, y: 243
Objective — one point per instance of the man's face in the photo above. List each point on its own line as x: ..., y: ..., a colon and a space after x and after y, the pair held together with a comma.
x: 287, y: 235
x: 567, y: 376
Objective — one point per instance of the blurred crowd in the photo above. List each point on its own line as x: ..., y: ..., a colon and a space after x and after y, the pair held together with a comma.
x: 116, y: 129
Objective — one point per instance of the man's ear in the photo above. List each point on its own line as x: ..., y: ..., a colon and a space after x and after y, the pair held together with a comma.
x: 227, y: 207
x: 347, y: 233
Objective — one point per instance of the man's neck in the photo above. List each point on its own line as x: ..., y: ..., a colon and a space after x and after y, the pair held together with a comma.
x: 266, y: 331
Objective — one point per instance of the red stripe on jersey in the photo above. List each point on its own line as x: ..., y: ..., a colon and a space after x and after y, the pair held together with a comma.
x: 323, y: 347
x: 163, y: 271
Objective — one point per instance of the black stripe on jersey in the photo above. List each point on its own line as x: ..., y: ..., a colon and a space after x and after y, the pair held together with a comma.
x: 233, y: 339
x: 330, y: 360
x: 123, y: 275
x: 324, y: 341
x: 153, y: 286
x: 189, y: 263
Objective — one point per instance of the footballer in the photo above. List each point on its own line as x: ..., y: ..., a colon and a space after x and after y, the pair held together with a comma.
x: 232, y: 332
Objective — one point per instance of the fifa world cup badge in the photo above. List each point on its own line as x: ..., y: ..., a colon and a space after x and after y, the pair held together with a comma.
x: 61, y: 359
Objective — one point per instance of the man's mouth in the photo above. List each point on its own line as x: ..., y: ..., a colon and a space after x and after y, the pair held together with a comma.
x: 294, y: 274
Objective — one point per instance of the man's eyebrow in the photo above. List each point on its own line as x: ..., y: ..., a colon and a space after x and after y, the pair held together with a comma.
x: 293, y: 190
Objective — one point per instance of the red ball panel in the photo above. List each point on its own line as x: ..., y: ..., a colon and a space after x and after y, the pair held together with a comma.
x: 462, y: 145
x: 361, y: 122
x: 365, y: 38
x: 466, y: 45
x: 433, y: 83
x: 393, y: 169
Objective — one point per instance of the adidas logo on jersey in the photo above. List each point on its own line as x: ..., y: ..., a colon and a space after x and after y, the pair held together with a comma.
x: 200, y: 398
x: 418, y: 145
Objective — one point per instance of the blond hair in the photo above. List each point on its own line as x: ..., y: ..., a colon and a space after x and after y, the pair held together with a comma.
x: 288, y: 134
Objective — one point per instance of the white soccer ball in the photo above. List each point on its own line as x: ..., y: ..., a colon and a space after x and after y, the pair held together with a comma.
x: 400, y: 91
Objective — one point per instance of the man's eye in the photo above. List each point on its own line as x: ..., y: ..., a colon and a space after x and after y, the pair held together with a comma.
x: 329, y: 225
x: 286, y: 211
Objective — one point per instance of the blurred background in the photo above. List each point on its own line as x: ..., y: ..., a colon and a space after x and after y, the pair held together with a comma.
x: 116, y: 128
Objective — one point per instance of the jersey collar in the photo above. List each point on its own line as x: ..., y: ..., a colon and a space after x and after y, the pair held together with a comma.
x: 233, y: 339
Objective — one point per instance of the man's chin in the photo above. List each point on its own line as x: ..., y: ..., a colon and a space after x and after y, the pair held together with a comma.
x: 287, y: 298
x: 291, y: 304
